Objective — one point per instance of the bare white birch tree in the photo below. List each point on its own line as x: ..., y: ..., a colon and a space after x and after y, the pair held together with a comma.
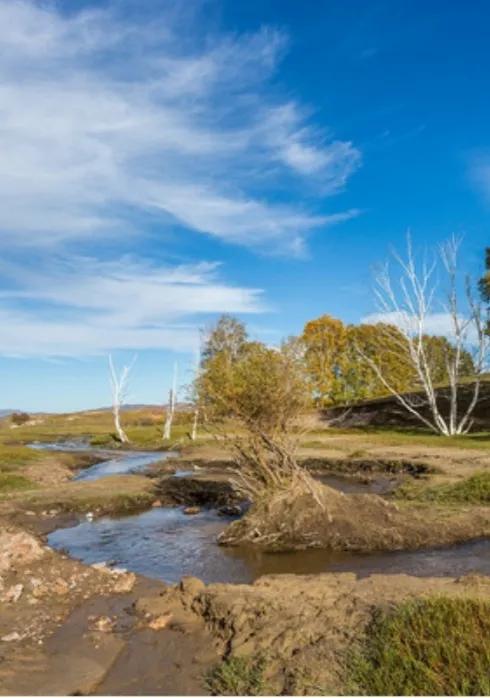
x: 409, y: 302
x: 119, y: 388
x: 172, y: 399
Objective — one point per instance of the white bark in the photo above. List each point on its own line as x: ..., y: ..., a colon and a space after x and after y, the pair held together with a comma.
x: 172, y: 399
x: 195, y: 421
x: 119, y: 386
x: 411, y: 302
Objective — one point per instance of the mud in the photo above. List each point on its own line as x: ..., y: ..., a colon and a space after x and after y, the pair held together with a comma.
x: 303, y: 626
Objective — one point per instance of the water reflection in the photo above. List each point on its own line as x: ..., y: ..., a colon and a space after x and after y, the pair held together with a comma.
x: 166, y: 544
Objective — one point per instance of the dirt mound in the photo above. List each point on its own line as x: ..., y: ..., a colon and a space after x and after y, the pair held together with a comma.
x: 363, y: 522
x: 387, y: 411
x: 205, y: 492
x: 18, y: 548
x: 303, y: 625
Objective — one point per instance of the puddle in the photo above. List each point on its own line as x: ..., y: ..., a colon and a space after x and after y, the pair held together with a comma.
x: 166, y: 544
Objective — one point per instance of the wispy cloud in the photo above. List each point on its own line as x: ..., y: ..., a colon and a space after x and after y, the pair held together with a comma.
x: 102, y: 119
x: 440, y: 324
x: 82, y: 306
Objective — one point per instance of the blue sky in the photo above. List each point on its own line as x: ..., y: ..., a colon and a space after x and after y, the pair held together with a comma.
x: 167, y: 161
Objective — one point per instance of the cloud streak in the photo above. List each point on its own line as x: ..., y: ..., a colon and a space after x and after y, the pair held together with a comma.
x: 81, y: 306
x: 103, y: 120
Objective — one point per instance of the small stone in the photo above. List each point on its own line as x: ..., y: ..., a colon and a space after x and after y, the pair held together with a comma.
x: 125, y: 583
x: 13, y: 594
x: 103, y: 624
x: 156, y: 503
x: 191, y: 511
x: 60, y: 586
x: 160, y: 622
x: 11, y: 637
x: 89, y: 516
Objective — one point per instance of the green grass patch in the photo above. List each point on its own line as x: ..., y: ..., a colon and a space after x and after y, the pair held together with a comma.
x: 238, y: 676
x: 436, y: 646
x: 473, y: 490
x: 10, y: 482
x: 14, y: 456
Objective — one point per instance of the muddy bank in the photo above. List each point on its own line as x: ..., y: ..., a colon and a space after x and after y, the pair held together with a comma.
x: 303, y: 626
x: 358, y: 522
x: 71, y: 629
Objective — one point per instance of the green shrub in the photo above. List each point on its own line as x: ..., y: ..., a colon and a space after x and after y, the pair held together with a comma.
x: 238, y: 676
x: 436, y: 646
x: 473, y: 490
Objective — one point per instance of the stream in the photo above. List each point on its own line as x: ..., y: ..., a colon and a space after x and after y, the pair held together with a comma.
x: 165, y: 544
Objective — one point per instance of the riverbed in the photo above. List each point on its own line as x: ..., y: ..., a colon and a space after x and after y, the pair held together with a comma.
x: 164, y: 543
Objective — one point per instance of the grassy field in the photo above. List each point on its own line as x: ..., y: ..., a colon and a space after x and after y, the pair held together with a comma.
x: 434, y: 646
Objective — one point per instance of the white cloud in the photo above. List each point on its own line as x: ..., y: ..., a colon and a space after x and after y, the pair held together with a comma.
x: 84, y: 307
x: 440, y: 324
x: 101, y: 118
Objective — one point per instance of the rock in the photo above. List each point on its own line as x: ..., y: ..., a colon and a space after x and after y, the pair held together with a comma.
x: 102, y: 624
x: 60, y: 587
x: 125, y: 583
x: 18, y: 548
x: 230, y: 510
x: 160, y: 622
x: 11, y: 637
x: 89, y: 516
x: 13, y: 594
x: 156, y: 503
x: 101, y: 567
x: 191, y: 511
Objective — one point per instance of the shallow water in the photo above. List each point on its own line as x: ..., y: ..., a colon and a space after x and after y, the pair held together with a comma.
x: 166, y: 544
x: 113, y: 463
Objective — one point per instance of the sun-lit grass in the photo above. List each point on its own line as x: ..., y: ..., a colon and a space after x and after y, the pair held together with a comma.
x: 238, y: 676
x: 472, y: 490
x: 10, y: 482
x: 436, y: 646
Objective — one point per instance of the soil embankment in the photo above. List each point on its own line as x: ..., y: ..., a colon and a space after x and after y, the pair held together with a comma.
x: 304, y: 627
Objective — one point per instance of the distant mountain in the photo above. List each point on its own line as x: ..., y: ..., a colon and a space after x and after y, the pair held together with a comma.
x: 6, y: 413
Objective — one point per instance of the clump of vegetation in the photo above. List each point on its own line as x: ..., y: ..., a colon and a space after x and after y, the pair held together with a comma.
x: 19, y: 418
x: 238, y: 676
x: 9, y: 482
x: 437, y: 646
x: 472, y: 490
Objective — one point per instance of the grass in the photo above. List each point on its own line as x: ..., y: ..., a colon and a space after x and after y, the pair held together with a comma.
x: 13, y: 483
x: 238, y: 676
x: 436, y: 646
x: 472, y: 490
x: 127, y: 493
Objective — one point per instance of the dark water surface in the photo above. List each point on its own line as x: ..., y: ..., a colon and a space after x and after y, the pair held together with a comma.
x: 166, y: 544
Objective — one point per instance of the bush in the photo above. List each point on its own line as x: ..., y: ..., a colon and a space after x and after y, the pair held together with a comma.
x: 437, y: 646
x: 19, y: 418
x: 238, y: 676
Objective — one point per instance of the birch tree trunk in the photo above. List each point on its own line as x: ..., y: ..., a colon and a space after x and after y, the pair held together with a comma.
x: 119, y: 386
x: 172, y: 399
x: 409, y: 304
